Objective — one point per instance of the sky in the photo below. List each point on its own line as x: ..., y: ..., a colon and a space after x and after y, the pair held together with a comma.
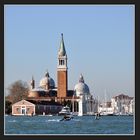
x: 99, y: 41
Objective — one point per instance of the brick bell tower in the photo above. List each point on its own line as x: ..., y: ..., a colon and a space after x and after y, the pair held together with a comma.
x: 62, y: 70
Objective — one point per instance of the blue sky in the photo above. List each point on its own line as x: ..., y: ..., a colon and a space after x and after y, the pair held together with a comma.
x: 99, y: 40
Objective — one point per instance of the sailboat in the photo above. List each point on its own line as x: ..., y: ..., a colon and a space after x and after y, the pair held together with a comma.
x: 107, y: 111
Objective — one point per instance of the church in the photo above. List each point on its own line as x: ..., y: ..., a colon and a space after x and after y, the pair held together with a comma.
x: 50, y: 99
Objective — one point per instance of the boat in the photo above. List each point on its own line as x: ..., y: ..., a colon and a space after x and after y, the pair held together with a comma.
x: 67, y: 118
x: 98, y: 113
x: 49, y: 115
x: 97, y: 116
x: 65, y: 111
x: 106, y: 113
x: 123, y: 114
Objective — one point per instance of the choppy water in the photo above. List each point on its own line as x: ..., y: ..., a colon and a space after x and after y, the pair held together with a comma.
x: 78, y: 125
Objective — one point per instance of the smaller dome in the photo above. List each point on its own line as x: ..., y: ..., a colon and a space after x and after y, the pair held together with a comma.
x: 81, y: 87
x: 47, y: 80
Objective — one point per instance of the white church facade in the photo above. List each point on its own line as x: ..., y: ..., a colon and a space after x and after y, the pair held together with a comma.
x: 85, y: 101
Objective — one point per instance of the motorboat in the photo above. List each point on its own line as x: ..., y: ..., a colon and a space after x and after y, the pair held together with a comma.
x: 107, y: 113
x: 66, y: 118
x: 65, y: 111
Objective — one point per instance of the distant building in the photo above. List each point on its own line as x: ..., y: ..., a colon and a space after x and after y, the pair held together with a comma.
x: 119, y: 105
x: 106, y: 109
x: 131, y: 106
x: 122, y: 104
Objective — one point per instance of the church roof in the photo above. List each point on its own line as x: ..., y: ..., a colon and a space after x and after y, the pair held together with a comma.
x: 81, y: 87
x: 23, y: 102
x: 47, y: 80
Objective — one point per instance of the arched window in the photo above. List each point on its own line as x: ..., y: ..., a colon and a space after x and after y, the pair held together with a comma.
x: 62, y: 62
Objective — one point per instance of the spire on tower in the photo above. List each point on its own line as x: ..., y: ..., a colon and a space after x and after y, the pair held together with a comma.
x: 62, y: 51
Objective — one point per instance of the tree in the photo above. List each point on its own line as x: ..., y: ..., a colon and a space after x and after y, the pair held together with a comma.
x: 18, y: 91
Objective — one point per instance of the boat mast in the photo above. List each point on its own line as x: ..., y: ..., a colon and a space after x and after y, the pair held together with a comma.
x: 105, y: 102
x: 73, y: 104
x: 97, y: 104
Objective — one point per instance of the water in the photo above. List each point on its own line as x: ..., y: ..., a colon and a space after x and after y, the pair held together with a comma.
x: 78, y: 125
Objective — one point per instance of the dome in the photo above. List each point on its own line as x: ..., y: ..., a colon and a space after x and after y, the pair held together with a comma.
x: 47, y: 81
x: 81, y: 87
x: 44, y: 81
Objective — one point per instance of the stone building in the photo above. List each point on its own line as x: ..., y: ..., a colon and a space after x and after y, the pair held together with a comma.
x: 47, y: 91
x: 23, y: 107
x: 46, y: 87
x: 122, y: 104
x: 85, y: 102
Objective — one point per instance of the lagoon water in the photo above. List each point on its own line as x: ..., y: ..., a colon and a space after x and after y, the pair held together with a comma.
x: 52, y: 125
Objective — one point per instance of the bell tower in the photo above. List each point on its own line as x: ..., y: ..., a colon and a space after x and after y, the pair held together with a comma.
x: 62, y: 70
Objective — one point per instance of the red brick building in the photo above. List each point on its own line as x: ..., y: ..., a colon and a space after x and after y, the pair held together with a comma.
x: 23, y: 107
x: 62, y: 77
